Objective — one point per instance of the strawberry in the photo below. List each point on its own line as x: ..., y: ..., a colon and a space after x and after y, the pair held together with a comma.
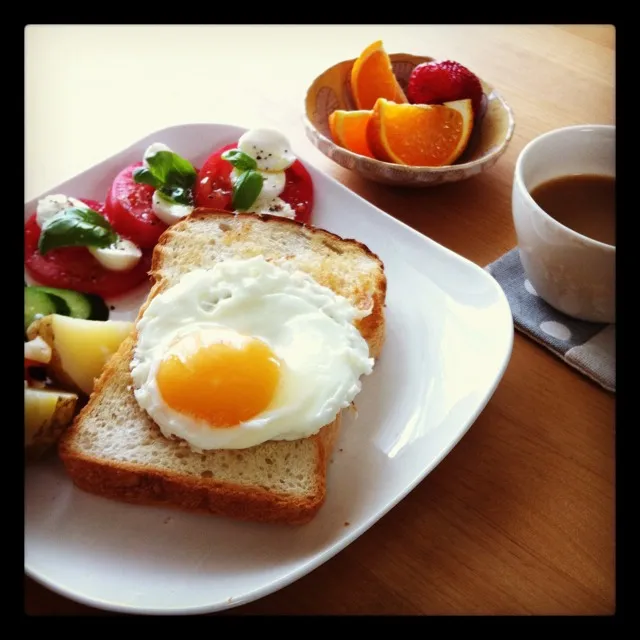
x: 445, y: 81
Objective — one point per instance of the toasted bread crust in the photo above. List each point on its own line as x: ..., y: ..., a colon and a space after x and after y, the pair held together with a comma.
x: 140, y: 484
x: 204, y: 212
x: 372, y: 327
x: 151, y: 485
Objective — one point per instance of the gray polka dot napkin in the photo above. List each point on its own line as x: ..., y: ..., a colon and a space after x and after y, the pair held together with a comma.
x: 587, y: 346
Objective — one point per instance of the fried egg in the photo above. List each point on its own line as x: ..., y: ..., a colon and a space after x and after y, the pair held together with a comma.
x: 246, y: 352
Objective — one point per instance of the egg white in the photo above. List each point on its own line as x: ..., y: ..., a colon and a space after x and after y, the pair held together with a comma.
x: 307, y: 326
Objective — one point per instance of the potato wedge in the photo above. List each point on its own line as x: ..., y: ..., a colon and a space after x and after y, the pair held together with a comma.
x: 47, y: 413
x: 80, y: 348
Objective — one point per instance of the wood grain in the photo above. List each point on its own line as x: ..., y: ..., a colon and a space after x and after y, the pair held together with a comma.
x: 519, y: 517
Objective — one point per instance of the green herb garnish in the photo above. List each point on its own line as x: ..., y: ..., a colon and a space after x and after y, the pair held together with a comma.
x: 75, y: 227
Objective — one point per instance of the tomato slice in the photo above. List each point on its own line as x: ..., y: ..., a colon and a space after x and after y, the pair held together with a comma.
x: 75, y: 268
x: 214, y: 189
x: 128, y: 207
x: 298, y: 191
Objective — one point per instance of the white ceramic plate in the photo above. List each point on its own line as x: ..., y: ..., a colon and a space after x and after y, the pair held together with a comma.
x: 449, y: 339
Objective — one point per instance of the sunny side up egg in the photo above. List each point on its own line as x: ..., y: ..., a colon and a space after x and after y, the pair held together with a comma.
x: 246, y: 352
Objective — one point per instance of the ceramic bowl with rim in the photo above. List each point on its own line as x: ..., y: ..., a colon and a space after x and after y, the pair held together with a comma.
x: 331, y: 90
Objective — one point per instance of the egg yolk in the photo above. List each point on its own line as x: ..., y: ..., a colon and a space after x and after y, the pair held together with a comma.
x: 222, y: 382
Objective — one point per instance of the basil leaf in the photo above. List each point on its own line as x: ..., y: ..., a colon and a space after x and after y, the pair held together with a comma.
x: 246, y: 189
x: 144, y: 176
x: 170, y: 170
x: 166, y: 197
x: 76, y: 228
x: 177, y: 195
x: 239, y: 159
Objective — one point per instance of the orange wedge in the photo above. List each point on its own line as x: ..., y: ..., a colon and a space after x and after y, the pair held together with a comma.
x: 372, y: 78
x: 349, y: 130
x: 419, y: 134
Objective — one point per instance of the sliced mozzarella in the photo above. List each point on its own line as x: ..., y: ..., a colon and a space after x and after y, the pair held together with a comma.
x: 272, y: 185
x: 51, y: 205
x: 152, y: 150
x: 37, y: 350
x: 275, y: 207
x: 167, y: 211
x: 122, y: 255
x: 268, y: 147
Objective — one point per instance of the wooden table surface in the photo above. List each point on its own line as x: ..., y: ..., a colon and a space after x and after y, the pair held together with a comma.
x: 519, y: 517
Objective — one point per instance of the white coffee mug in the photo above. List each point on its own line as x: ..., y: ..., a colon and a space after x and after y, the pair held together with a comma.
x: 573, y: 273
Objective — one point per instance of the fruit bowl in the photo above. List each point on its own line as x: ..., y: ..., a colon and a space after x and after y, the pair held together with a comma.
x: 331, y: 90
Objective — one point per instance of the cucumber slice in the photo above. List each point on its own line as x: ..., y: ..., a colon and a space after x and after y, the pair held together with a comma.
x: 39, y: 303
x: 78, y: 304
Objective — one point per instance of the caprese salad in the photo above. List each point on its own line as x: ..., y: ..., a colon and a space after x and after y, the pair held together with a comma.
x: 258, y: 174
x: 80, y: 252
x: 105, y: 249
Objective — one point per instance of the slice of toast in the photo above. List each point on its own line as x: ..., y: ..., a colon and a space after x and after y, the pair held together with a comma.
x: 115, y: 450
